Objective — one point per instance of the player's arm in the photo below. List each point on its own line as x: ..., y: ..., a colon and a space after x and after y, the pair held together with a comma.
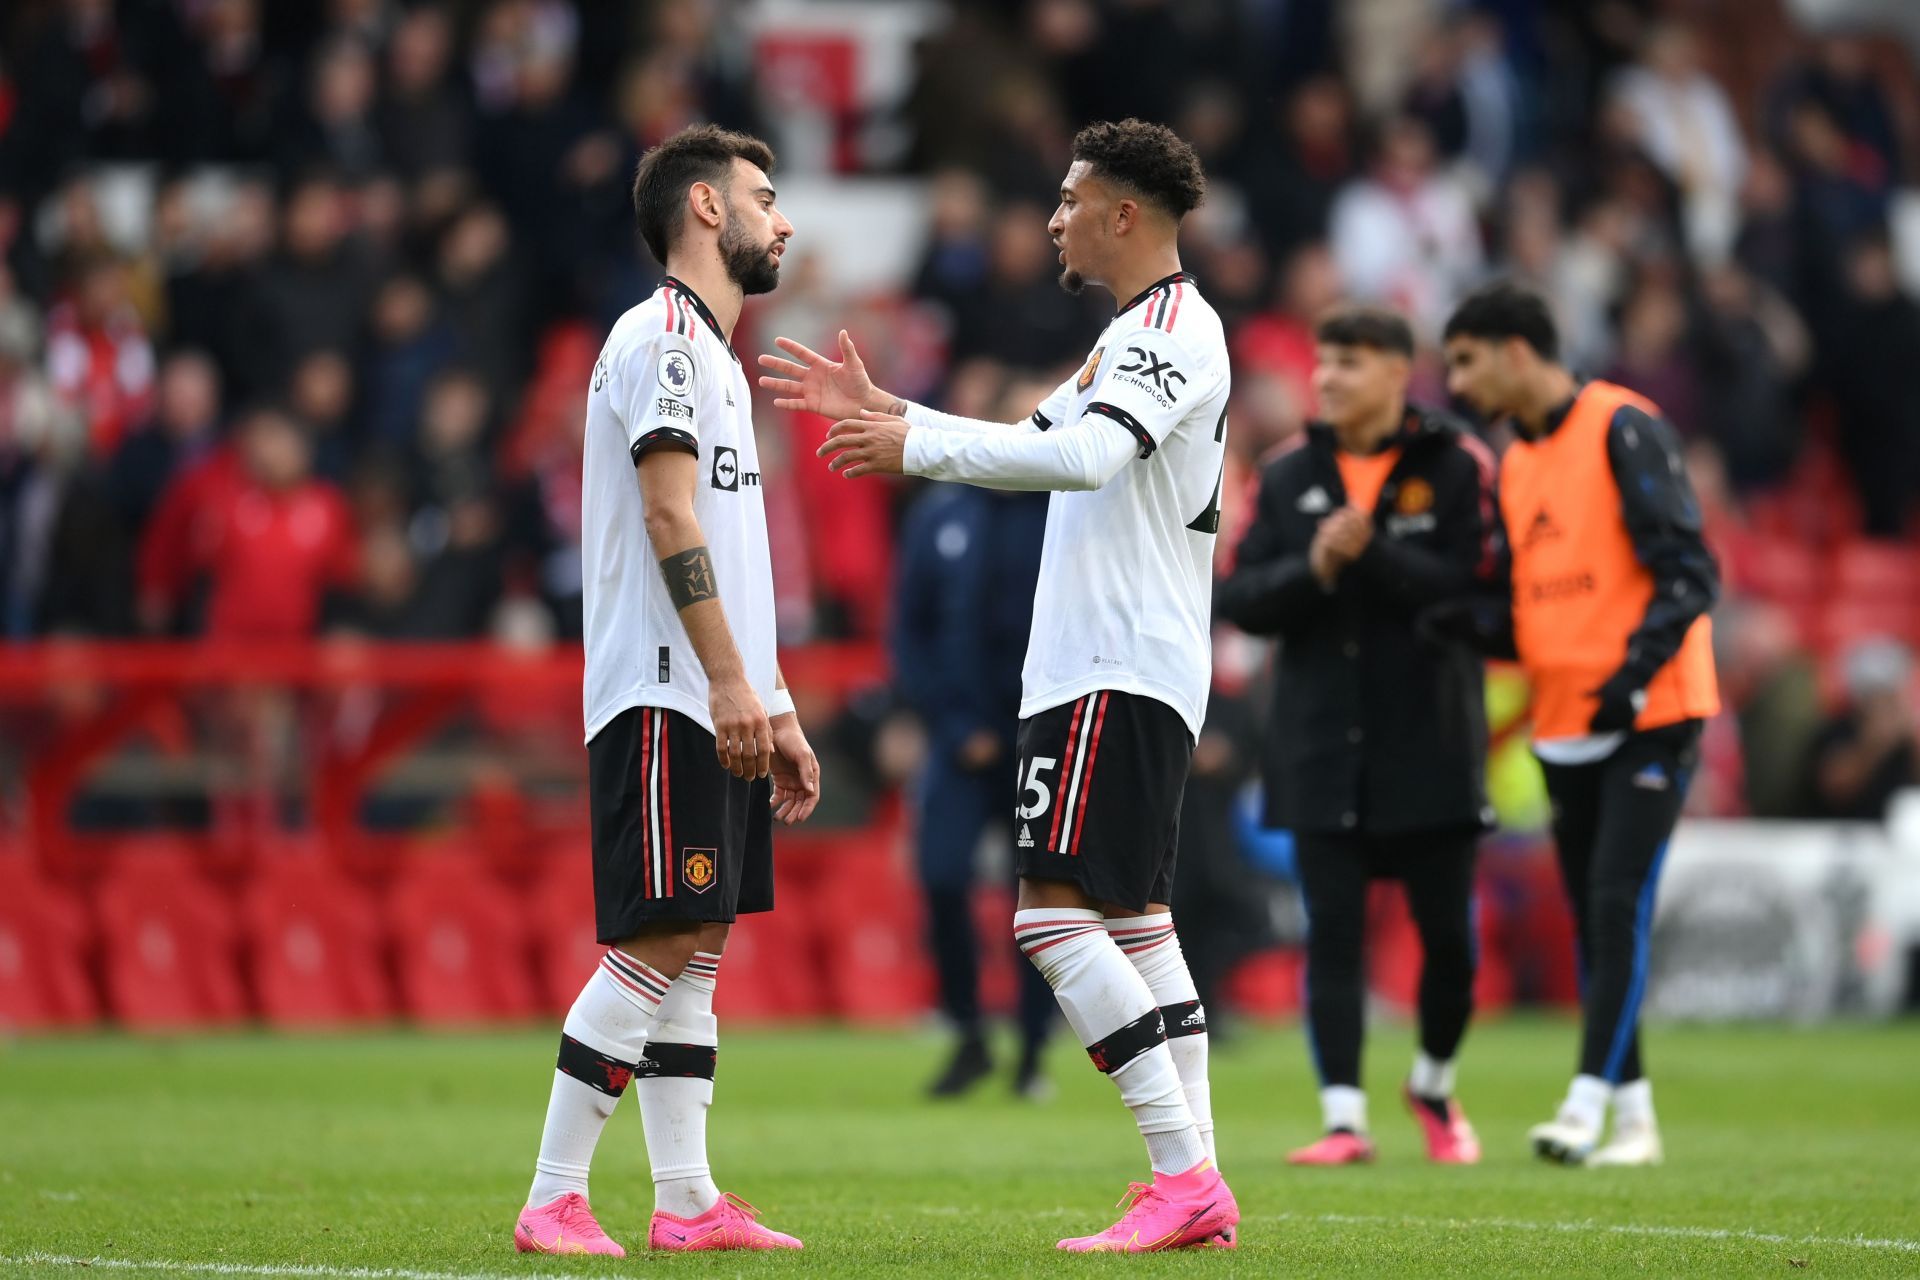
x: 1663, y: 520
x: 813, y: 383
x: 796, y: 771
x: 742, y: 737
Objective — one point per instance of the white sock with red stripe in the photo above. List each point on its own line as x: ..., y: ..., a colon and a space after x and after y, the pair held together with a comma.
x: 673, y: 1109
x: 1154, y: 948
x: 613, y: 1015
x: 1101, y: 993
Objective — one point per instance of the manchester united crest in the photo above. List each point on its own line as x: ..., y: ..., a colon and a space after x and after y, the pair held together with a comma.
x: 696, y: 868
x: 1093, y: 367
x: 1416, y: 498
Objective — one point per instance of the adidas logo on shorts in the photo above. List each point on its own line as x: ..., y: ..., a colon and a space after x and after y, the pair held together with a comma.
x: 1026, y: 836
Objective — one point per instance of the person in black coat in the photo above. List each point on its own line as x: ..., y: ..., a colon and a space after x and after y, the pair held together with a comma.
x: 1376, y: 747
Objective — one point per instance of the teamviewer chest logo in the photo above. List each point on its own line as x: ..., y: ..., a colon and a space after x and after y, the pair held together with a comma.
x: 727, y: 475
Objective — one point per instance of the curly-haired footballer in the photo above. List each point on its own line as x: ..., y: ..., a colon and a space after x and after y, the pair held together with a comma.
x: 1118, y: 659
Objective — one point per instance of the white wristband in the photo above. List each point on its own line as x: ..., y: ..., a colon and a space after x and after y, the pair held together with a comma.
x: 780, y: 704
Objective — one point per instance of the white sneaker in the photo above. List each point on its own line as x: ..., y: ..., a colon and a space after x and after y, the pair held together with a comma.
x: 1639, y: 1146
x: 1564, y: 1140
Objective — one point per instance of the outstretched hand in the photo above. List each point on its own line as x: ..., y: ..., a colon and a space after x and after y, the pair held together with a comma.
x: 813, y: 383
x: 868, y: 444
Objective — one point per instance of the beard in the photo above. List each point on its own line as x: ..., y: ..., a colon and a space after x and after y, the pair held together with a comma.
x: 1072, y: 281
x: 751, y: 266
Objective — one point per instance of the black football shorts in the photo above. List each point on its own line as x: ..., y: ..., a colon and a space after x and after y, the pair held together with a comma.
x: 1100, y: 784
x: 675, y: 836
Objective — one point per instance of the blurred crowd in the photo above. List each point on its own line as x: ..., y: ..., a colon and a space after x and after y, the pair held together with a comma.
x: 297, y: 302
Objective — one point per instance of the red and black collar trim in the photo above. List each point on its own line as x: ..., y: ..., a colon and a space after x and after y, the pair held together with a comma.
x: 1159, y: 312
x: 700, y: 308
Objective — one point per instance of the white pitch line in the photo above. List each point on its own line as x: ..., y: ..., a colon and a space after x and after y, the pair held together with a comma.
x: 261, y: 1268
x: 1589, y: 1226
x: 1737, y: 1234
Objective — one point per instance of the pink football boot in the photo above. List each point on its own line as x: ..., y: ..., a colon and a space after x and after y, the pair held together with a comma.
x: 730, y: 1224
x: 565, y: 1225
x: 1339, y: 1147
x: 1171, y: 1212
x: 1450, y: 1140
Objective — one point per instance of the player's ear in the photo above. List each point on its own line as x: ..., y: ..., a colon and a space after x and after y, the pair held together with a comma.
x: 1125, y: 214
x: 704, y: 199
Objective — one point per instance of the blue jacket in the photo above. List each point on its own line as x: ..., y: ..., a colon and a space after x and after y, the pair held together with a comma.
x: 968, y: 562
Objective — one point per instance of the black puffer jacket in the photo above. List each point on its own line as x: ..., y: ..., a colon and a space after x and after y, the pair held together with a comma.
x: 1375, y: 727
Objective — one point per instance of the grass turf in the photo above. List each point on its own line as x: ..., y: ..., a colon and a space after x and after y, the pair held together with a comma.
x: 1788, y: 1150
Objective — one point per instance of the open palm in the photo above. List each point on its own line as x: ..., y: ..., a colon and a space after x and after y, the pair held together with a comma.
x: 815, y: 384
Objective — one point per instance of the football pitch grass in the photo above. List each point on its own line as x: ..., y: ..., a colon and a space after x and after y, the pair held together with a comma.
x: 403, y: 1154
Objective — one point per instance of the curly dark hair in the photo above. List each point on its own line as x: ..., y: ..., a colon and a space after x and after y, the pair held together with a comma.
x: 701, y: 153
x: 1149, y: 160
x: 1504, y: 310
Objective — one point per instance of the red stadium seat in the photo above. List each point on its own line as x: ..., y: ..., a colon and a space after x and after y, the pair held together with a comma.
x: 43, y: 941
x: 1268, y: 984
x: 169, y: 938
x: 769, y: 973
x: 1783, y: 570
x: 459, y: 942
x: 314, y: 942
x: 1865, y: 569
x: 564, y: 949
x: 873, y: 936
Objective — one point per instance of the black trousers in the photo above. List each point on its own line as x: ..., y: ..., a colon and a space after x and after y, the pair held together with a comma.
x: 1612, y: 820
x: 1335, y: 869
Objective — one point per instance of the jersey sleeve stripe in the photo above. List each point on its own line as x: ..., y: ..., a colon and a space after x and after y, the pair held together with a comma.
x: 1174, y: 314
x: 662, y: 435
x: 1041, y: 421
x: 666, y: 296
x: 1127, y: 420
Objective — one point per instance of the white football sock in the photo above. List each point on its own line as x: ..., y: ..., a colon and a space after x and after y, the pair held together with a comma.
x: 1343, y: 1107
x: 1431, y: 1077
x: 1586, y: 1103
x: 1633, y: 1107
x: 612, y: 1016
x: 1101, y: 994
x: 673, y: 1108
x: 1154, y: 948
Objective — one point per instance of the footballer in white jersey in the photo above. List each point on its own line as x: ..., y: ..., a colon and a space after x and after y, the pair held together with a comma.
x: 1119, y: 658
x: 693, y: 746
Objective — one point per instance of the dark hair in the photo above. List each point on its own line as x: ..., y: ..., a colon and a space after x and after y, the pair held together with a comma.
x: 1362, y: 326
x: 701, y: 153
x: 1149, y: 160
x: 1506, y: 310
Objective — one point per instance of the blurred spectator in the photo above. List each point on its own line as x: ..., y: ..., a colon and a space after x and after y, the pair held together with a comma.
x: 338, y: 132
x: 1653, y: 356
x: 1836, y: 75
x: 1405, y: 235
x: 1280, y: 341
x: 313, y: 296
x: 1019, y: 315
x: 63, y: 563
x: 409, y: 344
x: 184, y: 426
x: 98, y: 356
x: 1873, y: 387
x: 1684, y: 122
x: 483, y: 297
x: 1291, y: 187
x: 1773, y: 690
x: 423, y: 123
x: 1866, y: 752
x: 320, y: 396
x: 1751, y: 350
x: 953, y: 265
x: 274, y: 542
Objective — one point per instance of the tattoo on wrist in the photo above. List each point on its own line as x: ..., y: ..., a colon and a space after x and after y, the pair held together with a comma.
x: 689, y: 577
x: 898, y: 409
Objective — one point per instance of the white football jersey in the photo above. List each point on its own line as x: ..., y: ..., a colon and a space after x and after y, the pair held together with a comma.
x: 1126, y: 580
x: 667, y: 375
